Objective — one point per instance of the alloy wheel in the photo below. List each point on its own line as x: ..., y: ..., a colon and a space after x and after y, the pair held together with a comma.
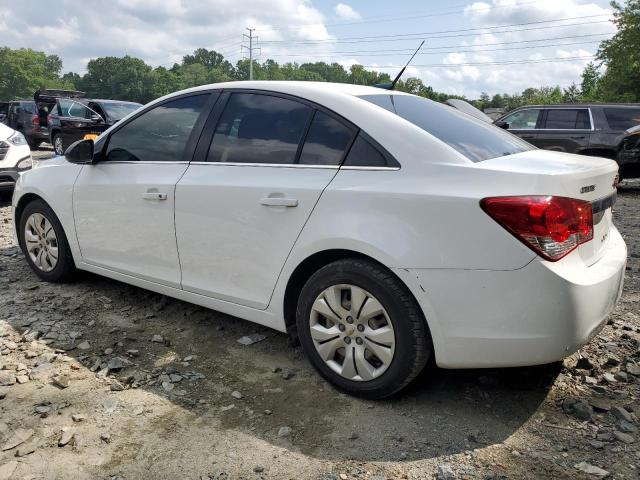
x: 57, y: 145
x: 41, y: 242
x: 352, y: 332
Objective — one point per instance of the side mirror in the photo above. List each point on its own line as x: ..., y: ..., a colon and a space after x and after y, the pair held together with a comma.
x: 96, y: 118
x: 80, y: 152
x: 502, y: 124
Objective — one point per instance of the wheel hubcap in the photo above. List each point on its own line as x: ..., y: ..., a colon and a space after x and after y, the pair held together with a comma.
x: 41, y: 242
x: 352, y: 332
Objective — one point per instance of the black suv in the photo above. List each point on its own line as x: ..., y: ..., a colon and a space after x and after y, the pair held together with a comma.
x: 23, y: 115
x: 73, y: 119
x: 588, y: 129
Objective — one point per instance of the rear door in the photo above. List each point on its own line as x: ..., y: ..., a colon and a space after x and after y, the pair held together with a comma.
x: 263, y: 162
x: 524, y: 123
x: 565, y: 129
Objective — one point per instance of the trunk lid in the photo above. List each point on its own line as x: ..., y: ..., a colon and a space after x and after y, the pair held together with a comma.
x: 567, y: 175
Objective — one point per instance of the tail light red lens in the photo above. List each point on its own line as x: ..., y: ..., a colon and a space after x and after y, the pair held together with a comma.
x: 35, y: 120
x: 550, y: 226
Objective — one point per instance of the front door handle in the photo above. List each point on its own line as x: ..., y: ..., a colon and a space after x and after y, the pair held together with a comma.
x: 279, y: 202
x: 578, y: 137
x: 154, y: 196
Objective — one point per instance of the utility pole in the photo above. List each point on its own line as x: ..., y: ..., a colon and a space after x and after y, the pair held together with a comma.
x: 250, y: 48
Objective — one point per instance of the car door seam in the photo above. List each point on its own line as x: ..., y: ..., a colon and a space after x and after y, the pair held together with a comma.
x: 175, y: 226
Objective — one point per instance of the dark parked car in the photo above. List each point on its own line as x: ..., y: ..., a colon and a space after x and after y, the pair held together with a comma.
x: 588, y: 129
x: 4, y: 112
x: 73, y: 119
x: 629, y: 154
x: 23, y: 115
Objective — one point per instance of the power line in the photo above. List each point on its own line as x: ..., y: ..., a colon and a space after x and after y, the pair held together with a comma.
x: 382, y: 19
x: 507, y: 62
x: 458, y: 48
x: 475, y: 31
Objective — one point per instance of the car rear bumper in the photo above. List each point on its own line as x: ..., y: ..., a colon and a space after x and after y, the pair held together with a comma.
x: 538, y: 314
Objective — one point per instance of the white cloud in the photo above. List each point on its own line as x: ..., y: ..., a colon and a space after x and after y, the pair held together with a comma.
x: 346, y: 12
x: 526, y: 42
x: 158, y: 31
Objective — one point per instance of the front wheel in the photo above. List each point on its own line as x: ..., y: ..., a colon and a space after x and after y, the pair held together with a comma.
x: 44, y: 243
x: 362, y: 329
x: 58, y: 145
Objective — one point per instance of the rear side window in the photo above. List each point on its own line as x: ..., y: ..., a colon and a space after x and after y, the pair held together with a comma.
x: 158, y: 135
x: 257, y: 128
x: 473, y: 138
x: 622, y: 118
x: 326, y: 142
x: 363, y: 154
x: 567, y: 119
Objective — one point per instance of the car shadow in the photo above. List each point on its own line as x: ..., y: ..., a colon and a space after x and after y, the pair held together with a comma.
x: 443, y: 412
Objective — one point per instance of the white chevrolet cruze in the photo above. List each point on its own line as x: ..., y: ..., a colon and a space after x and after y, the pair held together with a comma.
x: 378, y: 227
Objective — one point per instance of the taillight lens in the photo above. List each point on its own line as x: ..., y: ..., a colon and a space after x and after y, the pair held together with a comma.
x: 551, y: 226
x: 35, y: 120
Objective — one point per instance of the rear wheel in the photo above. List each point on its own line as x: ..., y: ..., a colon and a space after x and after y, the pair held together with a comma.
x: 58, y: 144
x: 44, y: 243
x: 362, y: 329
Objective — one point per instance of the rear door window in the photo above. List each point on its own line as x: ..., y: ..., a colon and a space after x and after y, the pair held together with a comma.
x: 258, y: 128
x: 326, y: 142
x: 567, y: 119
x: 622, y: 118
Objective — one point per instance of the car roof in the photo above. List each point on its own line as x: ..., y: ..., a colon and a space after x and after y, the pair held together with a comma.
x: 580, y: 105
x: 102, y: 100
x: 288, y: 86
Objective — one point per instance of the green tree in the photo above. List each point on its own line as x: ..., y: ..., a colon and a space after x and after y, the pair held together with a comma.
x: 118, y: 78
x: 571, y: 94
x: 590, y: 81
x: 621, y: 55
x: 23, y: 71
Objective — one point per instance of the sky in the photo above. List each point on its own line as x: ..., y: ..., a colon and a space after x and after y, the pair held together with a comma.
x: 493, y: 46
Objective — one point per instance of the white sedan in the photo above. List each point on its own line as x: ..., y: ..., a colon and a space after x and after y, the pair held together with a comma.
x: 379, y: 228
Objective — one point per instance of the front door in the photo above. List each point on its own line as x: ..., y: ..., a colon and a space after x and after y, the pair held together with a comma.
x: 524, y: 123
x: 240, y: 210
x: 124, y: 205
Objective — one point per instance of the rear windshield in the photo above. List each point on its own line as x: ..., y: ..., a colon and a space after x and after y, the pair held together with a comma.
x: 622, y: 118
x: 473, y: 138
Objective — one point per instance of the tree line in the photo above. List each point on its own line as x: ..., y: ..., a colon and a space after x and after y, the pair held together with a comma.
x: 613, y: 77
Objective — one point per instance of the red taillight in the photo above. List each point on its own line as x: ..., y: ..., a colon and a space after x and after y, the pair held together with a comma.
x: 551, y: 226
x: 35, y: 120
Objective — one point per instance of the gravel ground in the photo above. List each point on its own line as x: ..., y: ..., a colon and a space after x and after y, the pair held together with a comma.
x: 99, y: 379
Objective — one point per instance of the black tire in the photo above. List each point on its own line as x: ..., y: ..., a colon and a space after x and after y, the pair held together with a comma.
x: 59, y: 149
x: 413, y: 346
x: 65, y: 268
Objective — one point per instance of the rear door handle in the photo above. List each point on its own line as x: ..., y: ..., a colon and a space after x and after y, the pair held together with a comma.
x: 578, y: 137
x: 279, y: 202
x: 154, y: 196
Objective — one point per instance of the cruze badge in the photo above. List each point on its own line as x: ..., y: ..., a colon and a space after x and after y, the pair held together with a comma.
x: 587, y: 188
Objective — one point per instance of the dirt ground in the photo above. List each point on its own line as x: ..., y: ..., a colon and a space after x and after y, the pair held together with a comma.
x: 99, y: 379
